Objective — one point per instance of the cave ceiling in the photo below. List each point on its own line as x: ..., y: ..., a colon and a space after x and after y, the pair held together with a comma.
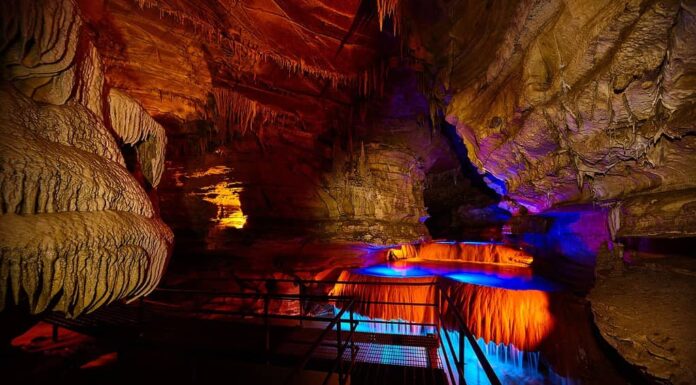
x: 289, y: 56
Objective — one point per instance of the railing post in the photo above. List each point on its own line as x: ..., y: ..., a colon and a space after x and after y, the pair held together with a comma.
x: 352, y: 335
x: 461, y: 357
x: 141, y: 310
x: 438, y: 307
x: 54, y: 335
x: 266, y: 327
x: 339, y: 345
x: 301, y: 300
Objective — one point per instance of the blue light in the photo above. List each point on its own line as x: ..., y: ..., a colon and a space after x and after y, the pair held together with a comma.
x: 511, y: 365
x: 473, y: 273
x: 387, y: 270
x: 504, y: 281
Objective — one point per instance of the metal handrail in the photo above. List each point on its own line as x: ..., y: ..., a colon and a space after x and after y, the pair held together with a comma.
x: 335, y: 320
x: 255, y: 295
x: 335, y: 281
x: 341, y: 350
x: 348, y: 302
x: 464, y: 330
x: 441, y: 298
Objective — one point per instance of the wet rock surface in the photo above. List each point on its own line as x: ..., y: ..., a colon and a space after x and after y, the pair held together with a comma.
x: 580, y: 102
x: 646, y: 313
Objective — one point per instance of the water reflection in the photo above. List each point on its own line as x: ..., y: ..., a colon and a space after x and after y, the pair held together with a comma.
x: 225, y: 195
x: 215, y: 185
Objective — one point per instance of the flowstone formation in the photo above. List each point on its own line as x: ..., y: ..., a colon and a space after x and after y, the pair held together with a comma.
x: 585, y: 102
x: 77, y: 230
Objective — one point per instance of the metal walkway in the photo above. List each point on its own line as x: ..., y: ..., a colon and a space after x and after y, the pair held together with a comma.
x: 185, y: 343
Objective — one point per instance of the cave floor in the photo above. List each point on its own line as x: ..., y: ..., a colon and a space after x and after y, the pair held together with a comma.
x: 73, y: 358
x: 647, y: 313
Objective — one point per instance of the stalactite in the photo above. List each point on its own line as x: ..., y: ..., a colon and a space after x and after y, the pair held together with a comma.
x: 249, y: 51
x: 614, y: 220
x: 135, y: 126
x: 389, y: 9
x: 56, y: 178
x: 300, y: 67
x: 370, y: 82
x: 78, y: 261
x: 237, y: 113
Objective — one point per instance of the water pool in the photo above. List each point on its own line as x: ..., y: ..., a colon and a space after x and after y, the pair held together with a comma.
x: 482, y: 274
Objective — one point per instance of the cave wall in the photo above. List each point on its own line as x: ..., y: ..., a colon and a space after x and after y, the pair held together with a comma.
x: 587, y: 101
x: 362, y: 182
x: 294, y: 185
x: 305, y: 138
x: 581, y: 115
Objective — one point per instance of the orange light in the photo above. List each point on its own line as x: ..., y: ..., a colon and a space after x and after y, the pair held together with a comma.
x: 226, y: 196
x: 462, y: 251
x: 518, y: 317
x: 388, y: 293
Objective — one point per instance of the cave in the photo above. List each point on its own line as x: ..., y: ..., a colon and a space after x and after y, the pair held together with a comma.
x: 348, y: 192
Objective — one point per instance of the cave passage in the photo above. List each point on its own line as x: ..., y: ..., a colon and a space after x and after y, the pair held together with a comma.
x: 347, y: 192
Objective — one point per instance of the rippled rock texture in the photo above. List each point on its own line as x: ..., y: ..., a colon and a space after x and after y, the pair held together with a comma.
x: 580, y: 101
x: 77, y: 230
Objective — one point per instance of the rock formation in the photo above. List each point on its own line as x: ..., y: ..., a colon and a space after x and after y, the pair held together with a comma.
x: 587, y: 101
x: 77, y: 229
x: 581, y: 113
